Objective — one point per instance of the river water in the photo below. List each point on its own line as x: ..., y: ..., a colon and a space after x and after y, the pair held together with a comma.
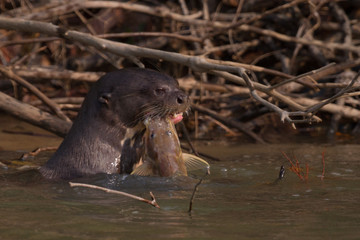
x: 240, y: 199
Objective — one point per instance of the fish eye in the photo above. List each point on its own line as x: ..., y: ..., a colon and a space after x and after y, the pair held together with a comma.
x: 152, y: 135
x: 169, y: 133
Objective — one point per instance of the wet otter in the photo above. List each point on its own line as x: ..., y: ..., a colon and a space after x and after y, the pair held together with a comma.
x: 115, y: 107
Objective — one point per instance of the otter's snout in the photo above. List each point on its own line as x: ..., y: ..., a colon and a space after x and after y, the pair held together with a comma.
x: 182, y: 98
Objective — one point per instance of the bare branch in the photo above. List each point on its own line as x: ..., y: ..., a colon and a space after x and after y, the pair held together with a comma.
x: 10, y: 74
x: 316, y: 108
x: 151, y: 202
x: 34, y: 115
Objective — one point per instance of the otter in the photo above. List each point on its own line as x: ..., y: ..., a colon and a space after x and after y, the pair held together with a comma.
x: 106, y: 136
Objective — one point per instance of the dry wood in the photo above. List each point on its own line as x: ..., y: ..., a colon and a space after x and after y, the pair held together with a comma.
x: 228, y: 122
x: 344, y: 111
x: 48, y: 73
x: 10, y: 74
x: 34, y: 115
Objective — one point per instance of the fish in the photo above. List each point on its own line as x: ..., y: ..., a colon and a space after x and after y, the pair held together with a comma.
x: 163, y: 155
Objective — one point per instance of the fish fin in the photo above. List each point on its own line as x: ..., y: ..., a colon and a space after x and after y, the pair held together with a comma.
x: 142, y: 170
x: 193, y: 162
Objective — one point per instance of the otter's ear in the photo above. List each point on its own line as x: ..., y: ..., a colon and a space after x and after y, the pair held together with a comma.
x: 105, y: 98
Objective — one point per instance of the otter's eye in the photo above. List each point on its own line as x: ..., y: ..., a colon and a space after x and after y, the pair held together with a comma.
x: 160, y: 91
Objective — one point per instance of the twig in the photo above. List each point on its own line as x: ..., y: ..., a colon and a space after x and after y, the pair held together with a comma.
x: 285, y: 38
x: 233, y: 47
x: 335, y: 85
x: 316, y: 107
x: 260, y: 87
x: 223, y: 126
x: 346, y: 25
x: 160, y: 11
x: 195, y: 189
x: 228, y: 122
x: 151, y: 202
x: 36, y: 152
x: 323, y: 165
x: 56, y: 73
x: 187, y: 137
x: 345, y: 111
x: 302, y: 76
x: 284, y: 115
x: 266, y: 13
x: 307, y: 171
x: 151, y: 34
x: 30, y: 40
x: 281, y: 172
x: 294, y: 167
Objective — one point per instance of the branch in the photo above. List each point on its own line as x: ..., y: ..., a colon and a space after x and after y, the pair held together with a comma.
x: 313, y: 72
x: 34, y: 115
x: 228, y: 122
x: 129, y: 51
x: 36, y: 152
x: 194, y: 191
x: 197, y: 63
x: 151, y: 34
x: 285, y: 38
x: 344, y: 111
x: 333, y: 98
x: 54, y: 73
x: 152, y: 202
x: 272, y: 92
x: 53, y: 106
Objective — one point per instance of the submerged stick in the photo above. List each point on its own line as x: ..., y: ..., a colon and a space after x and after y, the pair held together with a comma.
x: 195, y: 189
x: 36, y: 152
x: 281, y: 173
x: 323, y: 164
x: 152, y: 202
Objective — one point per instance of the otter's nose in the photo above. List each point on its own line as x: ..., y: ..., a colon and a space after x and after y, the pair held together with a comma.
x: 182, y: 98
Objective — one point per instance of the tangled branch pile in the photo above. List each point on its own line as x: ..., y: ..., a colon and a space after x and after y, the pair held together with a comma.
x: 245, y: 64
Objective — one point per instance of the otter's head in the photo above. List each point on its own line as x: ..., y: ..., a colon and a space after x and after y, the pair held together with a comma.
x: 130, y: 96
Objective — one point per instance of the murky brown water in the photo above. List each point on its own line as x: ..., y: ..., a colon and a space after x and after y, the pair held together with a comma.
x: 239, y: 200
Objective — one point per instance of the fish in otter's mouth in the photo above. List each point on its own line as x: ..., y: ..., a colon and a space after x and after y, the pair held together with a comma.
x: 162, y: 155
x: 151, y: 101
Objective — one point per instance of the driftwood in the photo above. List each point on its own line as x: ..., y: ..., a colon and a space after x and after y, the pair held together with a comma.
x: 239, y: 57
x: 34, y: 115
